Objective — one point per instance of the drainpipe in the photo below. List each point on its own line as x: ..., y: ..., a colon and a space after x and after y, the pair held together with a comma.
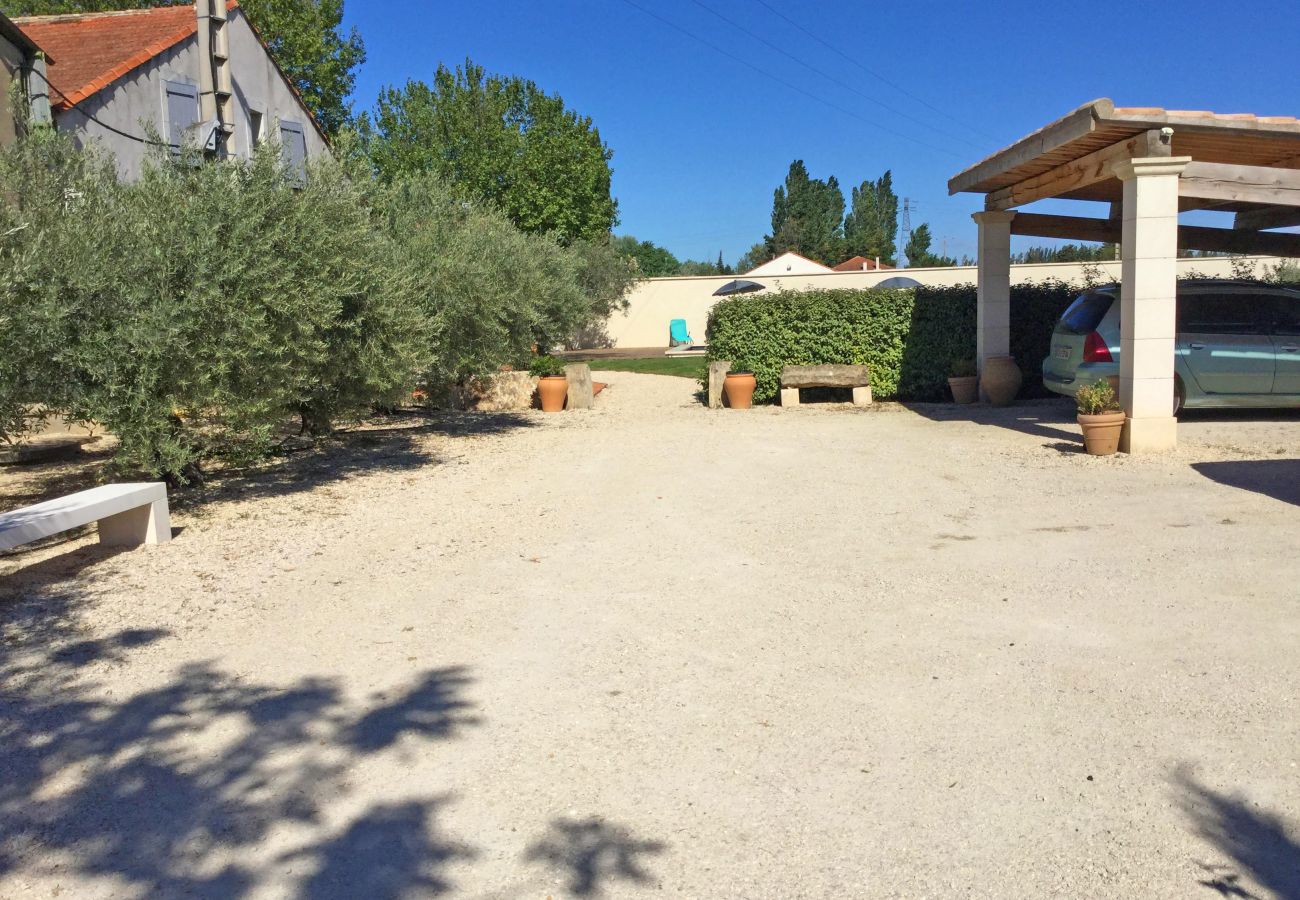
x: 38, y: 90
x: 216, y: 94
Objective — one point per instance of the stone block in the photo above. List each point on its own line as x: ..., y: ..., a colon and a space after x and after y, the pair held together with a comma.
x: 717, y: 375
x: 581, y: 392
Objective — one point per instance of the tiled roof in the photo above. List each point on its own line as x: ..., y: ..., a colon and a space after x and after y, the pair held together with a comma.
x: 858, y: 264
x: 1227, y: 118
x: 1238, y: 138
x: 89, y: 51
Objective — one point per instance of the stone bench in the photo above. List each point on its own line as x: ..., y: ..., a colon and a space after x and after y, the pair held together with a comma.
x: 793, y: 378
x: 128, y: 515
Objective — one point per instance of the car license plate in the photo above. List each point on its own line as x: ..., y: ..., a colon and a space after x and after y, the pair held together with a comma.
x: 1062, y: 352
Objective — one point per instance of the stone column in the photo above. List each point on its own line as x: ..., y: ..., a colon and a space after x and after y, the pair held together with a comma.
x: 993, y: 316
x: 1148, y: 290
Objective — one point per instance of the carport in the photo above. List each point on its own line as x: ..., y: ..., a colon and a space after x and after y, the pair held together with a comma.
x: 1149, y: 164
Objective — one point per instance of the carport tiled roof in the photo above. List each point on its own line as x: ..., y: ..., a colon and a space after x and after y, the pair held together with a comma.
x: 1240, y: 138
x: 89, y: 51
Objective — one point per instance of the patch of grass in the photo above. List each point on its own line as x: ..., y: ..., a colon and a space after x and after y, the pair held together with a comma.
x: 681, y: 366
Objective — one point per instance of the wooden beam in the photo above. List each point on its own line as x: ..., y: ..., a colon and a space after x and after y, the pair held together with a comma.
x: 1267, y: 217
x: 1190, y: 237
x: 1080, y: 173
x: 1076, y: 228
x: 1240, y: 184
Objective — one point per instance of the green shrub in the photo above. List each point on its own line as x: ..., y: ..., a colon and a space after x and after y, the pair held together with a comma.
x: 963, y: 368
x: 1097, y: 398
x: 909, y: 338
x: 545, y: 366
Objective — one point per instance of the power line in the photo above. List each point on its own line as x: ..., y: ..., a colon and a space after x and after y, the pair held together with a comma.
x: 781, y: 81
x: 77, y: 109
x: 829, y: 77
x: 874, y: 74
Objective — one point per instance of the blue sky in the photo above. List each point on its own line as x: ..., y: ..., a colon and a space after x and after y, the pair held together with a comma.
x: 701, y: 139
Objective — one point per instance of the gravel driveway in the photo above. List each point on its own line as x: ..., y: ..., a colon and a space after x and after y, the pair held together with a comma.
x: 657, y: 650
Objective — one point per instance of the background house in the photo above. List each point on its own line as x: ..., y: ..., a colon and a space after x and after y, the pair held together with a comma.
x: 172, y: 74
x: 790, y: 263
x: 860, y: 264
x: 22, y: 63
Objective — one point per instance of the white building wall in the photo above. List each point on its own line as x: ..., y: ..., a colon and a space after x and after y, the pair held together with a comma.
x: 652, y: 304
x: 135, y: 103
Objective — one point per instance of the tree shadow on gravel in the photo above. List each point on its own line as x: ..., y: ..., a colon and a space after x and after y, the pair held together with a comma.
x: 395, y: 445
x: 173, y: 790
x: 589, y: 852
x: 1263, y: 846
x: 398, y: 446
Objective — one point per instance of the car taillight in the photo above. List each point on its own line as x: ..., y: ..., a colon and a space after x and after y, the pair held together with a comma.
x: 1095, y: 349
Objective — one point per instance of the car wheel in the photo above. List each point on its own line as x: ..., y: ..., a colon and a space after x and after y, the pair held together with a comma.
x: 1180, y: 395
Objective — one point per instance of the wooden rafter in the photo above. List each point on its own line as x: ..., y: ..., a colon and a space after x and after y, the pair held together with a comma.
x: 1080, y: 173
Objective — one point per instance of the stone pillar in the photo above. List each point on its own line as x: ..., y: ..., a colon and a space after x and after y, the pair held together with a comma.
x: 1148, y: 290
x: 993, y: 316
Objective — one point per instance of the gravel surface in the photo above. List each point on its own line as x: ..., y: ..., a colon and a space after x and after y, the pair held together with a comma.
x: 653, y: 649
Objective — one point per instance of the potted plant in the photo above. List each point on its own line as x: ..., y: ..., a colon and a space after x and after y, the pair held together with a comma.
x: 739, y: 388
x: 552, y: 386
x: 1100, y: 417
x: 964, y: 381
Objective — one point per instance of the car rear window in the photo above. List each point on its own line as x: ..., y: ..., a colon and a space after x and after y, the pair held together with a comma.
x: 1085, y: 314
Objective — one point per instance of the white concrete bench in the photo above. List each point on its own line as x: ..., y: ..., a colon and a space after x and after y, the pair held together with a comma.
x: 128, y: 514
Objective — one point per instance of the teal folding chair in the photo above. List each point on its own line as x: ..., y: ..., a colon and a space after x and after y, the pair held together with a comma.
x: 678, y: 334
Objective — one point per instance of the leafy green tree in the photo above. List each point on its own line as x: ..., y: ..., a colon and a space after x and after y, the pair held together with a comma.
x: 754, y: 257
x: 703, y: 267
x: 807, y: 217
x: 918, y: 252
x: 499, y: 139
x: 38, y: 177
x: 1066, y: 253
x: 490, y: 291
x: 872, y: 221
x: 305, y: 37
x: 225, y: 300
x: 652, y: 260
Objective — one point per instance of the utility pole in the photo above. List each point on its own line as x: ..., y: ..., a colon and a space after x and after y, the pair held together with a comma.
x: 905, y: 232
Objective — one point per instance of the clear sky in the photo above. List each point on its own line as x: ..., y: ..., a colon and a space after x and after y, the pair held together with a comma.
x: 703, y: 134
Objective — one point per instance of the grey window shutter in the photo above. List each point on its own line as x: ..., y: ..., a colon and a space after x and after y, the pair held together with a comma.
x: 293, y: 143
x: 182, y: 111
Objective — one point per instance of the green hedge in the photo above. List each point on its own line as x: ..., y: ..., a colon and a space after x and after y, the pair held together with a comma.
x: 908, y: 337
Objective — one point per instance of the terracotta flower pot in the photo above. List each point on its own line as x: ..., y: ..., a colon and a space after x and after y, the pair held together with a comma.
x: 965, y: 388
x: 739, y: 389
x: 1101, y: 432
x: 1000, y: 379
x: 551, y: 390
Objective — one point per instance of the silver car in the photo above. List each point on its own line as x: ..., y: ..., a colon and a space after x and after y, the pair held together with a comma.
x: 1237, y: 344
